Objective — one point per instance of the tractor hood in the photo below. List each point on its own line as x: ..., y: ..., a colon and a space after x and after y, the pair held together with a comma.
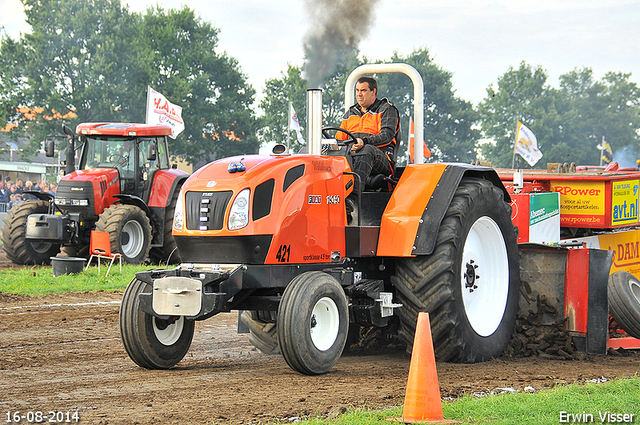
x: 251, y: 209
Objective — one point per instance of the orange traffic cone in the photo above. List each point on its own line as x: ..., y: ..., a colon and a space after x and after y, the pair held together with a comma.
x: 422, y: 398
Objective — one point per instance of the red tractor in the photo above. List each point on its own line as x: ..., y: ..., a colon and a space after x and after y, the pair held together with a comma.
x: 124, y: 185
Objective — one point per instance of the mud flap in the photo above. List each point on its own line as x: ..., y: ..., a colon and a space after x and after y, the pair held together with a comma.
x: 568, y: 284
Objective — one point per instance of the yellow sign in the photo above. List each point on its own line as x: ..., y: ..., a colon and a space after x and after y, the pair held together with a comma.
x: 626, y: 250
x: 624, y: 202
x: 581, y: 203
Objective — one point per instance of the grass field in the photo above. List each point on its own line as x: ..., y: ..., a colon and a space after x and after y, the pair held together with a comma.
x: 602, y: 403
x: 38, y: 280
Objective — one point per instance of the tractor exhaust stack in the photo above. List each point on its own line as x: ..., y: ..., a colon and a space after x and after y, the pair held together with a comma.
x: 314, y: 121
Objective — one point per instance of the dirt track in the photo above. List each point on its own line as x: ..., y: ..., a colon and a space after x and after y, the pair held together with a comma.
x: 63, y: 352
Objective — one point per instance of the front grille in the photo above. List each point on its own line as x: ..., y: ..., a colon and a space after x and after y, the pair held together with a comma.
x: 206, y: 210
x: 69, y: 194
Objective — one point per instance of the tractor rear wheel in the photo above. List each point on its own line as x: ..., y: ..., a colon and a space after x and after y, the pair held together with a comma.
x: 76, y: 251
x: 313, y: 321
x: 168, y: 253
x: 129, y: 229
x: 263, y: 331
x: 470, y: 283
x: 14, y: 235
x: 152, y: 343
x: 624, y: 301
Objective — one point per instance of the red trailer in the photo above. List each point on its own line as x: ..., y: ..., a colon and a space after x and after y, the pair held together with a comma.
x: 558, y: 214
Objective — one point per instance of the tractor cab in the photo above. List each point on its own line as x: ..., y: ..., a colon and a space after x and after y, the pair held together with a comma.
x: 135, y: 151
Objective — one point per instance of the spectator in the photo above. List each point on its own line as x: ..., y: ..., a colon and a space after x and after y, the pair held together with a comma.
x: 20, y: 186
x: 4, y: 194
x: 53, y: 187
x: 14, y: 199
x: 28, y: 186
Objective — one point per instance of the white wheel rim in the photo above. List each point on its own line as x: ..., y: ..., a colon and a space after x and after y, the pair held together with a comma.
x: 634, y: 286
x: 133, y: 247
x: 324, y: 323
x: 485, y: 276
x: 170, y: 334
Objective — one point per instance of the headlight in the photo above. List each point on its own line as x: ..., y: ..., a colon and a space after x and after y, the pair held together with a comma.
x: 60, y: 201
x: 239, y: 215
x: 80, y: 202
x: 178, y: 214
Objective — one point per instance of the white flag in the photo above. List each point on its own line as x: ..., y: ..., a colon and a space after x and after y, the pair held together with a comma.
x: 162, y: 112
x: 527, y: 145
x: 294, y: 124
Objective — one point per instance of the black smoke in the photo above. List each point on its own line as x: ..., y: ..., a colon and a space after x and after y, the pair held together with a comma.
x: 336, y: 28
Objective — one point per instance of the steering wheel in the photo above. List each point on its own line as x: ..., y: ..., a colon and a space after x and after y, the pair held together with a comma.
x: 347, y: 143
x: 114, y: 158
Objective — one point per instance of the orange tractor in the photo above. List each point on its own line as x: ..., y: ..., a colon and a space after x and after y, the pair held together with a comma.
x: 270, y: 236
x: 124, y: 185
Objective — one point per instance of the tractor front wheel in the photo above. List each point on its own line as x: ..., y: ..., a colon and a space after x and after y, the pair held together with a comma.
x: 129, y: 229
x: 152, y: 343
x: 19, y: 249
x: 313, y: 322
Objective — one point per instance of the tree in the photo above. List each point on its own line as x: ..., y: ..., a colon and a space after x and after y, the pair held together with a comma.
x: 522, y: 95
x: 568, y: 122
x: 448, y: 120
x: 608, y: 109
x: 292, y: 88
x: 94, y: 59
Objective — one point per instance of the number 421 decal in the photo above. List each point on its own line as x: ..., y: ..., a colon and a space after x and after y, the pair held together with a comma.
x: 283, y: 253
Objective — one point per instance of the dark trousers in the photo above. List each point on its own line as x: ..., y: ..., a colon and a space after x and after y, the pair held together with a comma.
x: 370, y: 161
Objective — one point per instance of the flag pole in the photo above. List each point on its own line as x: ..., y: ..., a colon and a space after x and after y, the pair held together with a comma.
x: 146, y: 111
x: 289, y: 126
x: 601, y: 151
x: 515, y: 147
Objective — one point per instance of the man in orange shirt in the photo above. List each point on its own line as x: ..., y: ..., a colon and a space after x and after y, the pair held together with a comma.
x: 376, y: 125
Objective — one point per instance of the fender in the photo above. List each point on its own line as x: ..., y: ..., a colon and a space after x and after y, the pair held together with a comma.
x: 134, y: 200
x: 410, y: 223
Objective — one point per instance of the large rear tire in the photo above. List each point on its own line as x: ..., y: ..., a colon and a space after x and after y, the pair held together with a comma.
x: 150, y: 342
x: 14, y: 235
x: 624, y: 301
x: 129, y: 230
x: 313, y: 322
x: 470, y: 283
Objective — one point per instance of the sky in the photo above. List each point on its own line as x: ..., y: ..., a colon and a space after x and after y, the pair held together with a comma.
x: 476, y: 40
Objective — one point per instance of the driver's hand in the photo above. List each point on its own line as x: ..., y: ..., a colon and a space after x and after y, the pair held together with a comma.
x: 357, y: 145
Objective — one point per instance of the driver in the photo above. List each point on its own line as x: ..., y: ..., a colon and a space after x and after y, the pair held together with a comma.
x: 376, y: 125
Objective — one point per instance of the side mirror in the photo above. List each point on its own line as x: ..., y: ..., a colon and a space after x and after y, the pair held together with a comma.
x: 49, y: 149
x: 67, y: 131
x: 151, y: 152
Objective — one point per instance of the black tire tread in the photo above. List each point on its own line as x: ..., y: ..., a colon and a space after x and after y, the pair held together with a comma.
x: 262, y: 335
x: 623, y: 305
x: 425, y: 283
x: 300, y: 357
x: 14, y: 231
x: 112, y: 220
x: 134, y: 325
